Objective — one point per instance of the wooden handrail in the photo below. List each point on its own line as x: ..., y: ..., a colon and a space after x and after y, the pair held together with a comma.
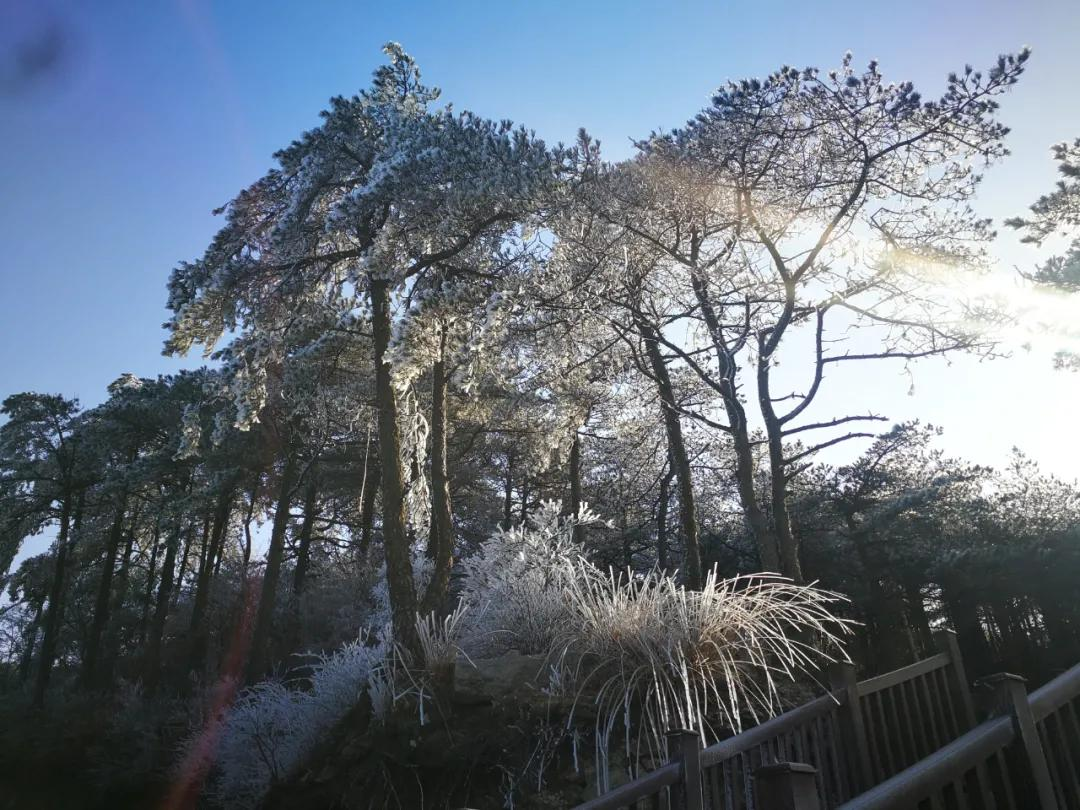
x: 641, y: 788
x: 972, y: 749
x: 898, y: 676
x: 937, y: 770
x: 1050, y: 697
x: 770, y: 729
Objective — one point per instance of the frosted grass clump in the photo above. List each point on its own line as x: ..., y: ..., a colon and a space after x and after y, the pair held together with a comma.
x: 654, y: 655
x: 271, y: 727
x: 440, y: 639
x: 649, y: 652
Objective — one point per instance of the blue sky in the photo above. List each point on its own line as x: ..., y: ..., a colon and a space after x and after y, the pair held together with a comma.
x: 155, y: 113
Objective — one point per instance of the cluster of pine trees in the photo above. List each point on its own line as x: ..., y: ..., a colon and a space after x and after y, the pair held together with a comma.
x: 424, y: 324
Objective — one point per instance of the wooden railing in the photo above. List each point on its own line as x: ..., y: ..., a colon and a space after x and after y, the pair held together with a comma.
x: 912, y: 712
x: 1027, y: 758
x: 856, y: 735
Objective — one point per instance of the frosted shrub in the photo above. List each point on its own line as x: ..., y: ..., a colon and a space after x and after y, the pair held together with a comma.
x: 260, y: 740
x: 514, y: 584
x: 271, y: 728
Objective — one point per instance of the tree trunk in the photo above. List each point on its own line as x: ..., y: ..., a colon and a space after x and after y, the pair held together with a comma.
x: 204, y: 580
x: 372, y: 476
x: 575, y: 486
x: 206, y: 570
x: 624, y: 527
x: 104, y: 594
x: 1059, y: 631
x: 161, y: 610
x: 399, y: 574
x: 31, y: 635
x: 676, y: 452
x: 148, y: 596
x: 303, y: 550
x: 248, y: 516
x: 188, y: 538
x: 740, y: 433
x: 523, y: 515
x: 786, y: 541
x: 442, y: 516
x: 120, y: 593
x: 662, y: 516
x: 264, y: 619
x: 920, y: 622
x: 964, y: 613
x: 55, y: 610
x: 508, y: 491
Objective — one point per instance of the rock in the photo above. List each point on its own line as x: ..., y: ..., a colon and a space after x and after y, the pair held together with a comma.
x: 510, y: 677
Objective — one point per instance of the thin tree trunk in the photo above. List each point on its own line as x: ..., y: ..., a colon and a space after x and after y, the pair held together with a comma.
x: 188, y: 539
x: 307, y: 527
x: 662, y: 517
x: 264, y: 619
x: 161, y: 610
x: 920, y: 622
x: 524, y: 513
x: 676, y: 452
x: 248, y: 516
x: 217, y: 543
x: 624, y: 526
x: 575, y: 486
x: 104, y: 594
x: 144, y: 620
x: 120, y: 593
x: 372, y: 476
x: 399, y: 573
x: 204, y: 580
x: 55, y: 610
x: 442, y: 515
x: 31, y: 635
x: 786, y: 541
x: 508, y: 491
x: 970, y: 635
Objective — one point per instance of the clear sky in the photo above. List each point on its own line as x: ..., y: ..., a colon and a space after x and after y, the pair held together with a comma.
x: 122, y: 125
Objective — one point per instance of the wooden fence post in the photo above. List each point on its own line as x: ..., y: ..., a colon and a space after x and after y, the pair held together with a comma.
x: 945, y: 640
x: 787, y: 786
x: 852, y: 730
x: 1012, y: 697
x: 684, y: 747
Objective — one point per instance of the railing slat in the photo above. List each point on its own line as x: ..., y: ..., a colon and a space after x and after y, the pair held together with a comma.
x: 1051, y: 761
x: 960, y: 793
x: 877, y: 767
x: 916, y: 718
x: 1006, y: 779
x: 883, y: 727
x: 931, y: 712
x: 955, y: 723
x: 897, y: 729
x: 1061, y: 751
x: 845, y: 781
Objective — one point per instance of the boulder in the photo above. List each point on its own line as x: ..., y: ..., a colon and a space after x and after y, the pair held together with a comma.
x: 507, y: 678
